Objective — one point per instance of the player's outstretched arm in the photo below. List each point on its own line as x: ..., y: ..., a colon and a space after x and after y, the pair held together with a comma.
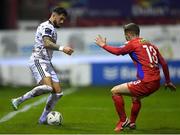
x: 48, y: 43
x: 114, y: 50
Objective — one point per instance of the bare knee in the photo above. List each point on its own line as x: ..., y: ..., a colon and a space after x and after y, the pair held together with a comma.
x: 121, y: 89
x: 57, y: 88
x: 114, y: 90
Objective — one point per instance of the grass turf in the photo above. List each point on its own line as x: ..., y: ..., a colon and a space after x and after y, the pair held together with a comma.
x: 90, y: 110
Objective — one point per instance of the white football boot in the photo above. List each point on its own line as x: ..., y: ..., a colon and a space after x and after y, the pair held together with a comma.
x: 15, y: 103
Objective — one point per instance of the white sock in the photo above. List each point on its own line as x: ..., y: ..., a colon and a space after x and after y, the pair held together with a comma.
x: 39, y: 90
x: 51, y: 101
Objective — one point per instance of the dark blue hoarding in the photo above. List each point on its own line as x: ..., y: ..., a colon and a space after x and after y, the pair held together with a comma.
x: 116, y: 73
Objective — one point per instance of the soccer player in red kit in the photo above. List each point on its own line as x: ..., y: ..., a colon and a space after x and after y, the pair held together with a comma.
x: 147, y: 58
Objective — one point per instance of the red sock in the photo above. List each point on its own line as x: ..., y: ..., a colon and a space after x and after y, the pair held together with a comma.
x: 136, y: 106
x: 119, y: 105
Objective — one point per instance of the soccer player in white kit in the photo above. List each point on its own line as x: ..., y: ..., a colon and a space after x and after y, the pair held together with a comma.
x: 40, y: 63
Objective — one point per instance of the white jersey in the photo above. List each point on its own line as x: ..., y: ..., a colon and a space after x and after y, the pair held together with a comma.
x: 39, y: 51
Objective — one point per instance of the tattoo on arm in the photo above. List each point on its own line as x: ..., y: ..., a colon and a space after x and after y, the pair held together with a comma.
x: 48, y: 43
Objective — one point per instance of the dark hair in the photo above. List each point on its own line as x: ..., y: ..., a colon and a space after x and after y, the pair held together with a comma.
x: 132, y: 27
x: 60, y: 10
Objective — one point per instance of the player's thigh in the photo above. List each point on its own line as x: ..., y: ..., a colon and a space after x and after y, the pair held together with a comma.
x: 55, y: 80
x: 121, y: 89
x: 55, y: 85
x: 41, y: 72
x: 44, y: 73
x: 47, y: 81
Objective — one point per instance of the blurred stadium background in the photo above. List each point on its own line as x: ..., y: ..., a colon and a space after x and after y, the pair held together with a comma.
x: 89, y: 65
x: 159, y: 20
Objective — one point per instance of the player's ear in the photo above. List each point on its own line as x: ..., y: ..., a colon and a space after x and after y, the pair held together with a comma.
x: 53, y: 15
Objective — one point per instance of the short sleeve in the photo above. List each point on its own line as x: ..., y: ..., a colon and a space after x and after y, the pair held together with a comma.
x: 47, y: 31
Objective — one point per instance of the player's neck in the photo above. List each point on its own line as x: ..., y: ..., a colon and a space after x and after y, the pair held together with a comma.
x: 51, y: 21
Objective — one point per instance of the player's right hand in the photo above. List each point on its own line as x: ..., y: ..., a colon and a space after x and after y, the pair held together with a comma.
x: 100, y: 41
x: 171, y: 86
x: 68, y: 50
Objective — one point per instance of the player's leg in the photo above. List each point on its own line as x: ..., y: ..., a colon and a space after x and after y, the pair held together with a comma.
x: 42, y: 75
x: 139, y: 90
x: 53, y: 97
x: 117, y: 97
x: 51, y: 101
x: 44, y: 88
x: 136, y: 106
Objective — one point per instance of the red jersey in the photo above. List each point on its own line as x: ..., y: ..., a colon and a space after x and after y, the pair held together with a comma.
x: 145, y: 56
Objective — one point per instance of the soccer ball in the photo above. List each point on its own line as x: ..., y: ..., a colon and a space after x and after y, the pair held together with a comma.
x: 54, y: 118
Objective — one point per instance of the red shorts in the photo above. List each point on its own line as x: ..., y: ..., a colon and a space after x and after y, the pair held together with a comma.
x: 140, y: 89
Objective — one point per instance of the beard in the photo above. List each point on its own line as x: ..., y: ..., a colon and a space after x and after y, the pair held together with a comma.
x: 55, y: 24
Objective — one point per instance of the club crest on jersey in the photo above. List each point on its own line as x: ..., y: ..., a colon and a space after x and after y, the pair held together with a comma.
x: 54, y: 35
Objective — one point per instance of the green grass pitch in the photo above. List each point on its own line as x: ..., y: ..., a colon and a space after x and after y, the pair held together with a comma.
x: 90, y: 110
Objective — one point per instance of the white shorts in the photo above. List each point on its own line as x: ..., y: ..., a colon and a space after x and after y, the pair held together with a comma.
x: 41, y: 69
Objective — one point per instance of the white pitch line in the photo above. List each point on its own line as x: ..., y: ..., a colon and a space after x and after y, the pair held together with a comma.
x: 27, y: 107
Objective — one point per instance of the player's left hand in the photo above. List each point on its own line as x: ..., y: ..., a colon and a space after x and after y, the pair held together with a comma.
x: 68, y: 50
x: 100, y: 41
x: 171, y: 86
